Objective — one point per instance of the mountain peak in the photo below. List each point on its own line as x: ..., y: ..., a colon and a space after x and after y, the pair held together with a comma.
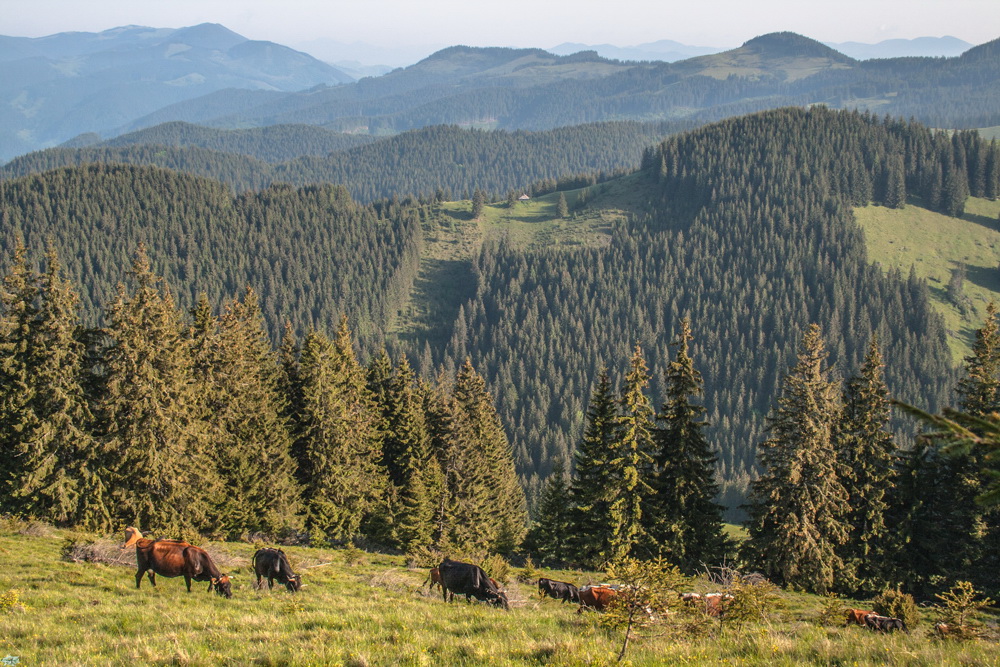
x: 791, y: 44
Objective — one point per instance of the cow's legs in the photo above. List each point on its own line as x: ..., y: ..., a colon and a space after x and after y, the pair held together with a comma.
x: 152, y: 577
x: 260, y: 582
x: 270, y: 583
x: 187, y: 580
x: 138, y: 578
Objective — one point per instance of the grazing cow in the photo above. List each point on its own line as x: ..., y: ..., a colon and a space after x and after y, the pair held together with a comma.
x: 434, y: 578
x: 273, y: 564
x: 173, y: 558
x: 596, y: 597
x: 857, y: 616
x: 560, y: 590
x: 471, y: 581
x: 884, y: 623
x: 714, y: 604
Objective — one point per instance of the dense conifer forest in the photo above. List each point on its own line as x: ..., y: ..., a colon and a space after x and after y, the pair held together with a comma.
x: 740, y: 244
x: 444, y: 158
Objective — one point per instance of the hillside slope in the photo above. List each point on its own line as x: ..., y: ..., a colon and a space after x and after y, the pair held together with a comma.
x: 373, y: 609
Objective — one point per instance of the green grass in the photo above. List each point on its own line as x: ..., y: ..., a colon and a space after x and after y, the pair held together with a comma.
x: 377, y: 613
x: 934, y: 244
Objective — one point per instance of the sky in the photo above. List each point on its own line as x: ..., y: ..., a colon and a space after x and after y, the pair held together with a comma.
x: 523, y: 23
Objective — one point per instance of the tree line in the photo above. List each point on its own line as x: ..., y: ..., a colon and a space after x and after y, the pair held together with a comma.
x: 194, y: 422
x: 841, y: 504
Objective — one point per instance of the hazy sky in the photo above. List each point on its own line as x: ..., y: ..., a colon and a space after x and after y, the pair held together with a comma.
x: 540, y: 23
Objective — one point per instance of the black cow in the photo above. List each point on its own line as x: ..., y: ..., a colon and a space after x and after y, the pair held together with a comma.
x: 273, y: 564
x: 884, y: 623
x: 471, y: 581
x: 560, y: 590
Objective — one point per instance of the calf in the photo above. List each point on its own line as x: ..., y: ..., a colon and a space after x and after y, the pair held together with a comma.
x: 560, y: 590
x: 273, y: 564
x: 857, y: 616
x: 884, y: 623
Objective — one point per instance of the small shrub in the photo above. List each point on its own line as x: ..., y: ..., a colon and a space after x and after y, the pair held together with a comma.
x: 897, y: 604
x: 834, y: 611
x: 958, y: 608
x: 353, y: 556
x: 497, y: 567
x: 529, y: 574
x: 423, y: 557
x: 38, y: 529
x: 753, y: 601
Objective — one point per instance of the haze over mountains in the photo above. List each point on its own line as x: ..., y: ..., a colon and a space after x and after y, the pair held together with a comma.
x: 58, y: 87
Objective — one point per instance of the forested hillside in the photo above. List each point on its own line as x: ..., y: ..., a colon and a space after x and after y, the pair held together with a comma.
x: 745, y: 227
x: 312, y: 253
x: 443, y: 159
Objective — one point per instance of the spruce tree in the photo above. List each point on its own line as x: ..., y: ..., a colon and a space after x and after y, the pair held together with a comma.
x: 160, y: 465
x: 629, y: 464
x: 339, y: 437
x: 797, y: 504
x: 562, y: 208
x: 590, y: 490
x: 867, y: 453
x: 682, y: 519
x: 254, y: 457
x: 491, y: 496
x: 549, y: 536
x: 421, y: 480
x: 17, y: 421
x: 979, y: 389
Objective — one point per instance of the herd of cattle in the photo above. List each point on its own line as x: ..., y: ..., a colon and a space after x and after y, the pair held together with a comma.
x: 175, y: 558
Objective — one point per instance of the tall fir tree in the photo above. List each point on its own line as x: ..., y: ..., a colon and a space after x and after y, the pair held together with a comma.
x: 682, y: 519
x: 867, y: 453
x: 160, y: 464
x: 797, y: 504
x: 17, y: 421
x: 630, y: 462
x: 550, y: 533
x: 254, y: 458
x: 340, y: 441
x: 979, y: 388
x: 590, y: 490
x: 492, y: 498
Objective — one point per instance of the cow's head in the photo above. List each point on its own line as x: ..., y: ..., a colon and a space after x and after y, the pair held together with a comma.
x: 500, y: 600
x: 294, y: 583
x: 132, y: 535
x: 222, y: 586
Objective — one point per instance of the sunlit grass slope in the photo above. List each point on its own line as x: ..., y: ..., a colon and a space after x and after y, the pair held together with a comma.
x: 934, y: 245
x: 376, y: 612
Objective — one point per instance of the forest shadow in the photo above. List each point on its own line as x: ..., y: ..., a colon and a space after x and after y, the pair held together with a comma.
x: 443, y: 285
x: 982, y: 220
x: 987, y: 277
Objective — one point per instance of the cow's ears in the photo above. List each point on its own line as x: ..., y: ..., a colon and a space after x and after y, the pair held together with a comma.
x: 214, y: 580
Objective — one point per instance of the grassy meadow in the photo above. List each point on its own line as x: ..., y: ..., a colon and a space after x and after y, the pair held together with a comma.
x: 371, y: 609
x: 934, y: 244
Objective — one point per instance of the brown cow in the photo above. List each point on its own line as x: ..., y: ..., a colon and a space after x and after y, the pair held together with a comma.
x: 435, y: 579
x: 857, y: 616
x: 596, y: 597
x: 173, y: 558
x: 713, y: 604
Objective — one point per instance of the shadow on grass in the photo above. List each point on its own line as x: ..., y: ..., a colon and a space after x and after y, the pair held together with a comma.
x: 987, y: 277
x: 443, y: 285
x: 982, y: 220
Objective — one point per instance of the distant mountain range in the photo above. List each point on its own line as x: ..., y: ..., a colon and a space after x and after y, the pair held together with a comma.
x: 670, y: 51
x: 122, y: 80
x: 55, y: 87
